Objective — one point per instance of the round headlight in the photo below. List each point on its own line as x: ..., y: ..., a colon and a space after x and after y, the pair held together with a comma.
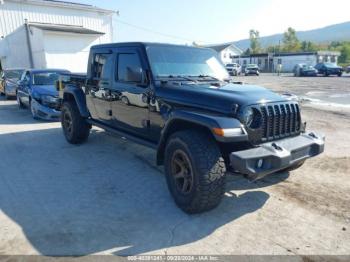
x: 252, y: 118
x: 248, y: 116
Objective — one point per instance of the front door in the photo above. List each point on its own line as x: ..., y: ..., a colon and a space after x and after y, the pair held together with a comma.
x: 98, y: 87
x: 129, y: 95
x: 24, y: 88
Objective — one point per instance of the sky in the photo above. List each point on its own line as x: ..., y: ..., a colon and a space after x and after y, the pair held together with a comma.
x: 217, y: 21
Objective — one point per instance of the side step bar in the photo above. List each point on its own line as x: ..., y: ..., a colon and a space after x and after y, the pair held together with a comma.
x: 120, y: 133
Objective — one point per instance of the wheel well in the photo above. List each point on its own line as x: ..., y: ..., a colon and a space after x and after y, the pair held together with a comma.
x: 179, y: 125
x: 68, y: 97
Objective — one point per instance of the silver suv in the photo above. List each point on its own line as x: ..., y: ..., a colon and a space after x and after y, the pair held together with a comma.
x: 234, y: 69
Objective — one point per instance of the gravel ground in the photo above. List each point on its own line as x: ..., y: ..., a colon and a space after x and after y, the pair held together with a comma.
x: 108, y: 197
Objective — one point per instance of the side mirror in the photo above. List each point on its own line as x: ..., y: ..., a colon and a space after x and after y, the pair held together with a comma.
x: 22, y: 82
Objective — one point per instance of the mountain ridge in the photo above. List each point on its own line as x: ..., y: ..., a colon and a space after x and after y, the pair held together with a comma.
x: 327, y: 34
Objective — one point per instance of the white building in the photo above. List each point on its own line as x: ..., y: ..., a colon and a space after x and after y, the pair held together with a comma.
x: 268, y: 62
x: 51, y: 34
x: 226, y: 51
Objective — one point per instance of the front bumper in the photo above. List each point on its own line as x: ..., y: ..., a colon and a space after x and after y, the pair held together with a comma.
x: 45, y: 112
x: 271, y: 157
x: 252, y: 72
x: 11, y: 90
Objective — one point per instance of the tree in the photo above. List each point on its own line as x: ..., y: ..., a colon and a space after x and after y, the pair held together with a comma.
x: 247, y: 52
x: 344, y: 53
x: 308, y: 46
x: 254, y: 37
x: 273, y: 49
x: 290, y: 41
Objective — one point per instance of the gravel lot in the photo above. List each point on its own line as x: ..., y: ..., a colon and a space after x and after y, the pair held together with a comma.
x: 108, y: 197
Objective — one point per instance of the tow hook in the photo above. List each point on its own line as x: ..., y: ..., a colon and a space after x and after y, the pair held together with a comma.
x: 313, y: 135
x: 277, y: 147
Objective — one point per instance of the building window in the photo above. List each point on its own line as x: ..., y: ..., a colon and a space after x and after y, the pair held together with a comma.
x: 279, y: 61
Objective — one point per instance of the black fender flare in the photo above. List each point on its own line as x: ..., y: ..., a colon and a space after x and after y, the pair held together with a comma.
x: 178, y: 120
x: 79, y: 98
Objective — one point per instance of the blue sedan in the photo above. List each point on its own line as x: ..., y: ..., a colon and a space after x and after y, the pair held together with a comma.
x: 8, y: 82
x: 37, y: 91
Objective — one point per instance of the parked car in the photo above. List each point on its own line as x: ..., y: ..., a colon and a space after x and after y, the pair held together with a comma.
x: 251, y: 69
x: 304, y: 70
x: 328, y: 69
x: 233, y: 69
x: 347, y: 69
x: 37, y: 91
x: 8, y: 82
x: 200, y: 124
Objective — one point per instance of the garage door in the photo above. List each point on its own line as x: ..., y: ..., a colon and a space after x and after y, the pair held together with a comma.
x: 68, y: 50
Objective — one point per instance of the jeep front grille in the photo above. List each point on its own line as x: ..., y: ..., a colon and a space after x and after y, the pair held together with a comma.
x: 280, y: 120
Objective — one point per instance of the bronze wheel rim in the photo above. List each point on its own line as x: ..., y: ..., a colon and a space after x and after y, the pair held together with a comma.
x: 182, y: 172
x: 67, y: 122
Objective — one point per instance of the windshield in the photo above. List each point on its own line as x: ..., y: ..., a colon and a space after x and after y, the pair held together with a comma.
x: 252, y: 65
x: 330, y: 65
x: 182, y: 61
x: 45, y: 78
x: 13, y: 74
x: 307, y: 67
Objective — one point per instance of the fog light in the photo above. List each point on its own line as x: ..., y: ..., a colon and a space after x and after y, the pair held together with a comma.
x: 260, y: 163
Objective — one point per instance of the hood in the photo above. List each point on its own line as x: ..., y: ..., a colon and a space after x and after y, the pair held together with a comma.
x: 45, y: 90
x: 11, y: 81
x: 221, y: 99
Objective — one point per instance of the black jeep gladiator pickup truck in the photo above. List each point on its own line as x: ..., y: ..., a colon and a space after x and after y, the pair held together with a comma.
x: 178, y: 100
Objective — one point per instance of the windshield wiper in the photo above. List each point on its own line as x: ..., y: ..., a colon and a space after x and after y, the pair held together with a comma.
x: 206, y: 76
x: 179, y: 77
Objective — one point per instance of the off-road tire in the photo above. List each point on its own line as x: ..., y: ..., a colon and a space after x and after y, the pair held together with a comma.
x: 208, y: 170
x: 79, y: 130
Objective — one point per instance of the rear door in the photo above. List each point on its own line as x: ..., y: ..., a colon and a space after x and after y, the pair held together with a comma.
x: 98, y: 87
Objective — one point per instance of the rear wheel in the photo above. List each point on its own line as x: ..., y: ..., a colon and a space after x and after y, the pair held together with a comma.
x: 75, y: 128
x: 195, y: 171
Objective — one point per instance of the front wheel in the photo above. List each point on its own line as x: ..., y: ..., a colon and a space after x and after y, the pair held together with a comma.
x: 195, y: 171
x: 7, y: 97
x: 19, y: 102
x: 33, y: 111
x: 125, y: 100
x: 75, y: 128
